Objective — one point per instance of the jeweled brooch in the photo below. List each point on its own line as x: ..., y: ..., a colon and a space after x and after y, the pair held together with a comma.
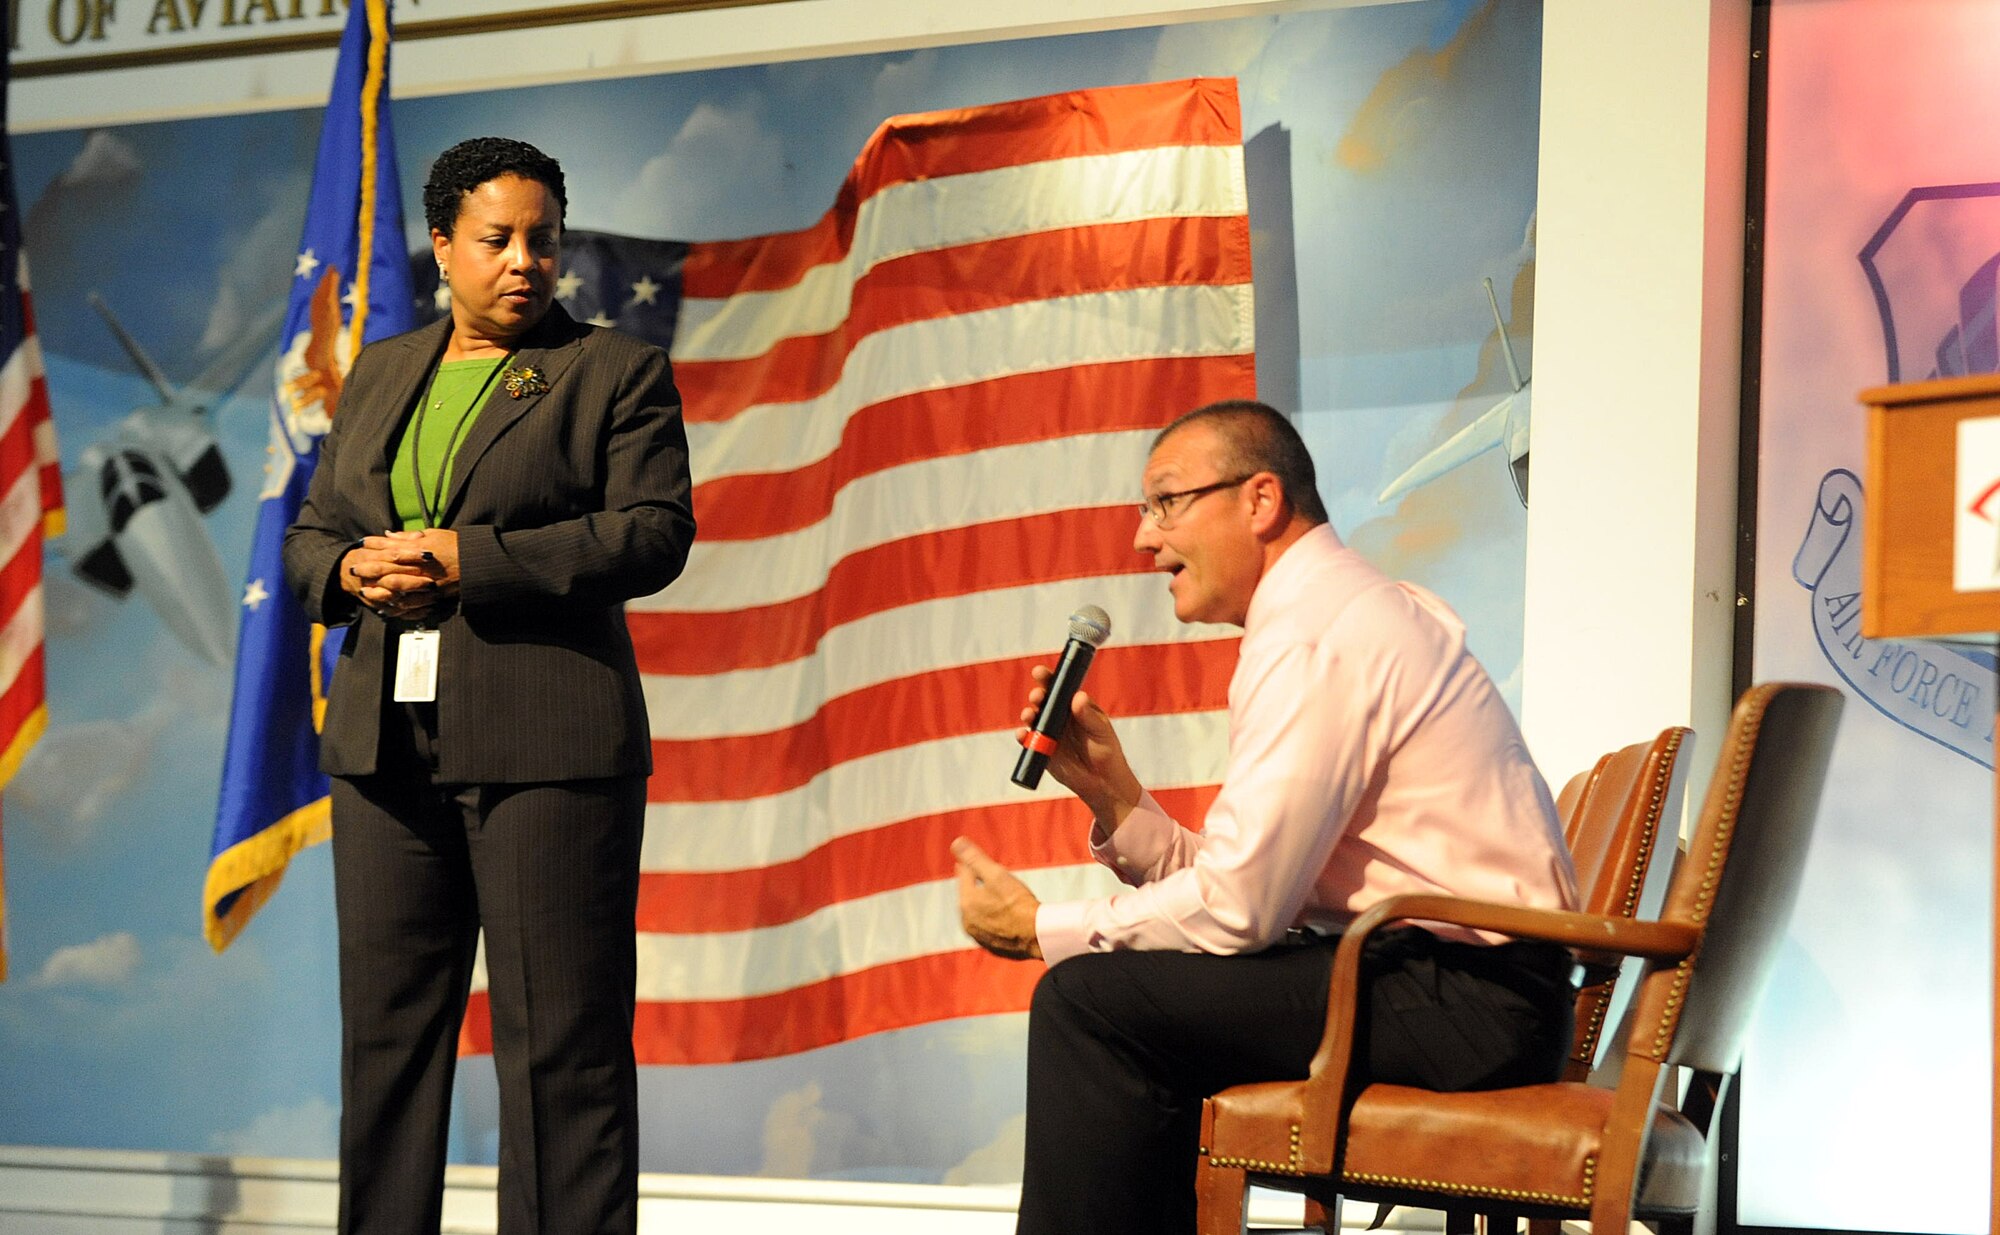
x: 524, y: 382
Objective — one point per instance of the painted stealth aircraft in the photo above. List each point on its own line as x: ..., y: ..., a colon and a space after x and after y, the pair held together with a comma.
x: 137, y: 496
x: 1503, y: 424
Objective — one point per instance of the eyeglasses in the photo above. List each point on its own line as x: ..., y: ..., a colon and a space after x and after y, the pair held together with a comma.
x: 1160, y: 507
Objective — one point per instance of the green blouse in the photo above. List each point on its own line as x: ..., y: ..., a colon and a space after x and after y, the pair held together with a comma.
x: 433, y: 434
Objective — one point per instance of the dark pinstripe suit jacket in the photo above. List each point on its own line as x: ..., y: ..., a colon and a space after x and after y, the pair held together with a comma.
x: 566, y: 504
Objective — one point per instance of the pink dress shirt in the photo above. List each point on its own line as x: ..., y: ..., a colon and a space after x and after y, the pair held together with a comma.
x: 1369, y: 754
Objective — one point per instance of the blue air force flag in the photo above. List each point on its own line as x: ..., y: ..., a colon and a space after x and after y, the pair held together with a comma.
x: 351, y: 285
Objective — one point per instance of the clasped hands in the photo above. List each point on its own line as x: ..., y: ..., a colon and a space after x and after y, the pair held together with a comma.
x: 403, y: 575
x: 996, y: 909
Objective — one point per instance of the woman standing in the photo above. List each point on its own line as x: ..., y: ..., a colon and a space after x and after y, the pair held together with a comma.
x: 485, y: 730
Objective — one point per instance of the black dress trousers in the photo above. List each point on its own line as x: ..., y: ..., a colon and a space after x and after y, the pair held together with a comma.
x: 1123, y: 1046
x: 551, y: 872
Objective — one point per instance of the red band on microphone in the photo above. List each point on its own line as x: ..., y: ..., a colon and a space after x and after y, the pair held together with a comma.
x: 1040, y: 743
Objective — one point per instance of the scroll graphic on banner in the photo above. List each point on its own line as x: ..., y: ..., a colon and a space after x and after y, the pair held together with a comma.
x: 1942, y: 691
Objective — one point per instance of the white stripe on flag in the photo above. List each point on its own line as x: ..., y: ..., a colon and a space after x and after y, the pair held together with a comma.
x: 941, y: 353
x: 844, y: 937
x: 931, y: 495
x: 20, y: 514
x: 934, y: 634
x: 906, y: 782
x: 46, y: 450
x: 17, y: 383
x: 21, y: 636
x: 1090, y: 190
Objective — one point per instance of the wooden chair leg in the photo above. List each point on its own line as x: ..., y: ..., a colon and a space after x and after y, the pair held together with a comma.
x: 1221, y: 1197
x: 1459, y: 1221
x: 1323, y: 1215
x: 1545, y: 1226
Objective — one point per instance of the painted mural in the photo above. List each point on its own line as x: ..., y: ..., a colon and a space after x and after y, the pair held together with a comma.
x: 1391, y: 166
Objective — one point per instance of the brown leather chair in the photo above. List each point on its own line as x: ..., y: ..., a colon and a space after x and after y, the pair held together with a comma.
x: 1564, y: 1149
x: 1612, y: 816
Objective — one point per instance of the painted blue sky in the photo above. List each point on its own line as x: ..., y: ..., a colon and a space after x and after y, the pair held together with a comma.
x: 1412, y: 134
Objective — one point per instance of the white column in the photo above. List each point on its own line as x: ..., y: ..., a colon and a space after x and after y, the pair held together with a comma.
x: 1638, y: 316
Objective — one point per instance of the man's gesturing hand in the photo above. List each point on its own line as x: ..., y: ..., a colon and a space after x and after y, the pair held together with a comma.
x: 996, y: 909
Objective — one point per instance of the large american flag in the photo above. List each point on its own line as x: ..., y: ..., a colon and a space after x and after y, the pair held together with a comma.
x: 30, y: 493
x: 917, y: 430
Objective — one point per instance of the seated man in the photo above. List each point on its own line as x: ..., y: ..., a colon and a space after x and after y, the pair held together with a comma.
x: 1369, y: 754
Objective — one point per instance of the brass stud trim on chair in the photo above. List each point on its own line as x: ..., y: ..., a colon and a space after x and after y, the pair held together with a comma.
x: 1655, y: 809
x: 1599, y: 1006
x: 1261, y: 1164
x: 1739, y: 762
x: 1663, y: 776
x: 1450, y: 1188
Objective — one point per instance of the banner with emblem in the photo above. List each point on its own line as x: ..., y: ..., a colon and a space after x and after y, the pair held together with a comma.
x: 350, y: 286
x: 1880, y: 242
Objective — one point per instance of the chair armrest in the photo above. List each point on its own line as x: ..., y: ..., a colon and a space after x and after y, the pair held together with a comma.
x: 1326, y: 1083
x: 1660, y: 941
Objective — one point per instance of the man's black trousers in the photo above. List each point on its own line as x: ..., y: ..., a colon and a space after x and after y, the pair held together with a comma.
x: 1123, y: 1047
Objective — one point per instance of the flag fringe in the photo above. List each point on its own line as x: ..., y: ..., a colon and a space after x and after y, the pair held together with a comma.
x: 252, y: 868
x: 29, y: 733
x: 372, y: 84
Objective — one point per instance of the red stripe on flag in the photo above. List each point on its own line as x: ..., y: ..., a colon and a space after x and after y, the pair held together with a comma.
x: 840, y: 1009
x: 21, y: 574
x: 37, y: 413
x: 934, y: 424
x: 931, y: 145
x: 1027, y: 835
x: 954, y: 702
x: 1066, y: 544
x: 28, y: 692
x: 885, y: 997
x: 970, y: 278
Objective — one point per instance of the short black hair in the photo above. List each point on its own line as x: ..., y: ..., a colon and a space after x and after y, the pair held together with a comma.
x: 1257, y: 437
x: 475, y: 161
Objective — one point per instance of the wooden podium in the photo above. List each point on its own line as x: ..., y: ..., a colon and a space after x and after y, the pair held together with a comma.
x: 1907, y: 561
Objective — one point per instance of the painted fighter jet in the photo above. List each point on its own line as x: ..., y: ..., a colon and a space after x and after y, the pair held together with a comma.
x: 1503, y: 424
x: 137, y: 496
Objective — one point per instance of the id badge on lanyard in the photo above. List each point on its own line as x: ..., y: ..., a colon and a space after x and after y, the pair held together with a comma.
x: 416, y: 667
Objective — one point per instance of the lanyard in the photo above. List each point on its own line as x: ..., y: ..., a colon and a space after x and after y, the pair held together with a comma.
x: 433, y: 507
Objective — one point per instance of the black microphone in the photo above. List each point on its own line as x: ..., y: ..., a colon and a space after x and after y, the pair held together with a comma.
x: 1089, y: 627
